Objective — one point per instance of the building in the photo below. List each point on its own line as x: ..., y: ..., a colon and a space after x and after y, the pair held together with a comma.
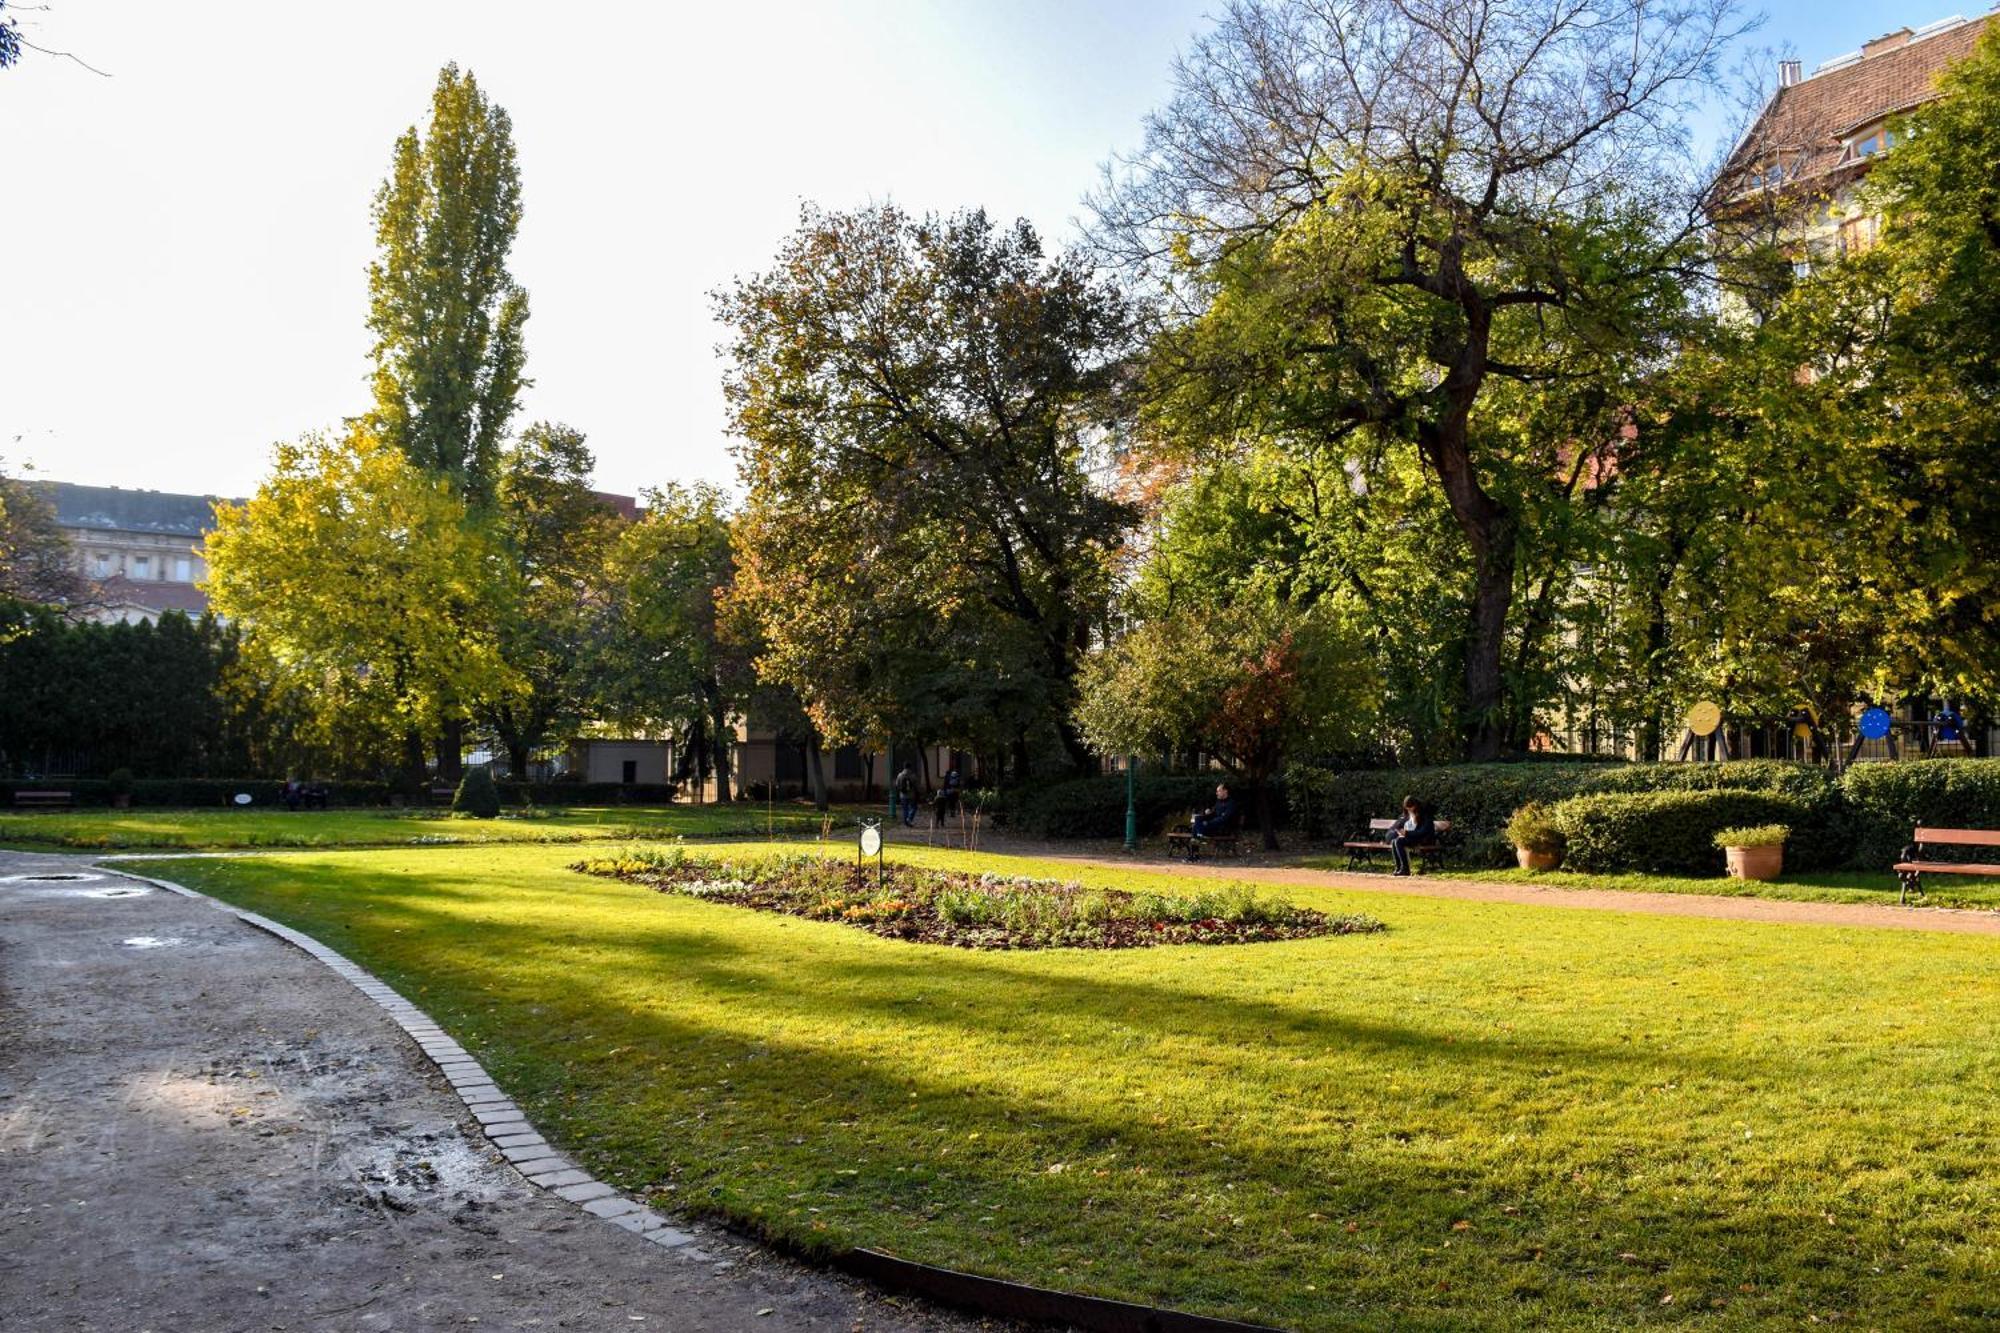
x: 1794, y: 175
x: 142, y: 550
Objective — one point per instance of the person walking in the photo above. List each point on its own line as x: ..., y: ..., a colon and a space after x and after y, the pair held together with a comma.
x: 906, y: 793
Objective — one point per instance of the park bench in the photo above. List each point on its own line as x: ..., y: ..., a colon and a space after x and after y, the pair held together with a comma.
x: 1913, y: 867
x: 1360, y: 850
x: 47, y: 800
x: 1183, y: 843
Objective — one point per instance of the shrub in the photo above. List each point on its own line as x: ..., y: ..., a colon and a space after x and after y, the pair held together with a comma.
x: 1761, y: 835
x: 1479, y: 799
x: 120, y: 782
x: 1095, y: 807
x: 1886, y: 802
x: 477, y: 795
x: 1531, y: 829
x: 1663, y: 832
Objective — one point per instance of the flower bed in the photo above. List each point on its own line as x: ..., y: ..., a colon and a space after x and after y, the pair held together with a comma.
x: 975, y: 911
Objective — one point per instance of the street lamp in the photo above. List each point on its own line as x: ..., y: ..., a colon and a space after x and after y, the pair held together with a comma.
x: 1131, y: 805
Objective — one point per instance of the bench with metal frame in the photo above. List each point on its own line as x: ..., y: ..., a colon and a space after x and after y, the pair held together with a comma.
x: 1360, y: 850
x: 1184, y: 842
x: 1910, y: 871
x: 46, y: 800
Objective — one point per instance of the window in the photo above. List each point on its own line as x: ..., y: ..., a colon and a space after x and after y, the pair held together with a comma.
x: 102, y: 564
x: 1859, y: 233
x: 183, y: 569
x: 142, y: 566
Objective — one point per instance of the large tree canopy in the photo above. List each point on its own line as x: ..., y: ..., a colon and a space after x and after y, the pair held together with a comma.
x: 1450, y: 227
x: 918, y: 400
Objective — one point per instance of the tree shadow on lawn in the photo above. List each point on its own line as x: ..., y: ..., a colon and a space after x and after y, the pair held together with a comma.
x: 1205, y: 1201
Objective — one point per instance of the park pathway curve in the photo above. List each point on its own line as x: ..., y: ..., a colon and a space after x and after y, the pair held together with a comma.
x: 1775, y: 911
x: 206, y: 1130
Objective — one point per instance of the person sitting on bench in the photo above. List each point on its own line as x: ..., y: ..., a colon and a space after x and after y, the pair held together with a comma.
x: 1218, y: 818
x: 1415, y: 829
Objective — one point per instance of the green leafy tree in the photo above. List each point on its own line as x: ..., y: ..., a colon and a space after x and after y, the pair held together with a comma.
x: 919, y: 400
x: 1449, y: 230
x: 667, y: 666
x: 446, y: 313
x: 477, y: 795
x: 362, y: 582
x: 1252, y: 685
x: 556, y: 537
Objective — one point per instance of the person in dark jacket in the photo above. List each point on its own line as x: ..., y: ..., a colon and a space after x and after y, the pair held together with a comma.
x: 906, y: 795
x: 1415, y: 829
x: 1218, y: 818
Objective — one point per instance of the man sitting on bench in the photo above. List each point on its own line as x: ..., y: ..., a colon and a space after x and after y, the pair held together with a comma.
x: 1219, y: 818
x: 1416, y: 829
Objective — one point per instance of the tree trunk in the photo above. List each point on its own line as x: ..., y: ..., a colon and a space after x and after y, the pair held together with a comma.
x: 1020, y: 748
x: 722, y: 734
x: 1267, y: 823
x: 414, y: 765
x: 517, y: 761
x: 816, y: 770
x: 451, y: 750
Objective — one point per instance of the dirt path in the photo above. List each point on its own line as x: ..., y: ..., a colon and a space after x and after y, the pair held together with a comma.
x: 1942, y: 920
x: 203, y: 1130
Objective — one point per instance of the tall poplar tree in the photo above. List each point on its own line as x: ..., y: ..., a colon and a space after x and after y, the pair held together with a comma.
x: 445, y: 312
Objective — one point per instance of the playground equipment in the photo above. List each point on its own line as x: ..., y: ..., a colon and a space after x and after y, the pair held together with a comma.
x: 1705, y: 733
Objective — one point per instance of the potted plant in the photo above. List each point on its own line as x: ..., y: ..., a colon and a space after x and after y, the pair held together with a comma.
x: 1538, y: 843
x: 1754, y: 853
x: 120, y: 785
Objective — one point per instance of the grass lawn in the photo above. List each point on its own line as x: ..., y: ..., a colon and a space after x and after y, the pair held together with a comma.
x: 1492, y: 1116
x: 1817, y: 886
x: 222, y: 830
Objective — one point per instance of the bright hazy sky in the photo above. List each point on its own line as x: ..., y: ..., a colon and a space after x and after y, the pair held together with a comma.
x: 183, y: 245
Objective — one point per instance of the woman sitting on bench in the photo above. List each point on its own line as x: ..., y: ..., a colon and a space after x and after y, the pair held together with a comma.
x: 1415, y: 829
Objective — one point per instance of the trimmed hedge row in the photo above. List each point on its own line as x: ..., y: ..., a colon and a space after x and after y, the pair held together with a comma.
x: 194, y: 793
x: 1861, y: 819
x: 1095, y: 807
x: 1663, y: 832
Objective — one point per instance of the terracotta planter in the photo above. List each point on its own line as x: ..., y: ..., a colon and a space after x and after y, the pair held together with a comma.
x: 1755, y: 862
x: 1531, y: 859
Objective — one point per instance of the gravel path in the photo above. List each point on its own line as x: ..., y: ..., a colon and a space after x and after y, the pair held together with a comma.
x: 1945, y: 920
x: 204, y: 1130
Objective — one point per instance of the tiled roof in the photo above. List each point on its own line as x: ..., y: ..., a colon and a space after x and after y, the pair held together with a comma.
x: 150, y: 596
x: 115, y: 509
x: 1804, y: 124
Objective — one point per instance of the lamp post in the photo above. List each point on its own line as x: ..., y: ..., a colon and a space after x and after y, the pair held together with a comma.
x: 1131, y: 805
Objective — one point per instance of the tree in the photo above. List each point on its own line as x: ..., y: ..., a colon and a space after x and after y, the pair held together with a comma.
x: 556, y: 536
x: 37, y: 563
x: 919, y: 400
x: 364, y: 584
x: 1376, y: 225
x: 446, y: 314
x: 1251, y: 684
x: 667, y: 666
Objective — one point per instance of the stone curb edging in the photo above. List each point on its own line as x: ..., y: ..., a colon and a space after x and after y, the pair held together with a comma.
x: 504, y: 1124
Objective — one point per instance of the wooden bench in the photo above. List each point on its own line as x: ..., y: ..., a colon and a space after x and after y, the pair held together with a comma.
x: 1182, y: 842
x: 1359, y: 850
x: 1913, y: 867
x: 47, y: 800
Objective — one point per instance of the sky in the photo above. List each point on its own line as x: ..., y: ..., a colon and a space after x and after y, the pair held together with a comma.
x: 184, y: 244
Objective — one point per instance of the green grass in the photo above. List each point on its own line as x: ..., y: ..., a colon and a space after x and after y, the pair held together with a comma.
x: 1818, y: 886
x: 1492, y: 1116
x: 224, y: 830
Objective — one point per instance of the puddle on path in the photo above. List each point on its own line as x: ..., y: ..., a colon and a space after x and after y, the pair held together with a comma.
x: 152, y: 942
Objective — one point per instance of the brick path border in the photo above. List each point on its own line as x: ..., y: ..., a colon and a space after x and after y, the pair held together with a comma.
x: 505, y: 1125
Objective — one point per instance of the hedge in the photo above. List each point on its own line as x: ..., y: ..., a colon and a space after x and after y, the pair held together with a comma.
x: 1886, y: 802
x: 1095, y: 807
x: 1479, y: 798
x: 194, y: 793
x: 1663, y: 832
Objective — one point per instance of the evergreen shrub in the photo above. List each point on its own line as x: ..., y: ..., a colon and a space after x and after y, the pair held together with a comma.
x: 1663, y: 832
